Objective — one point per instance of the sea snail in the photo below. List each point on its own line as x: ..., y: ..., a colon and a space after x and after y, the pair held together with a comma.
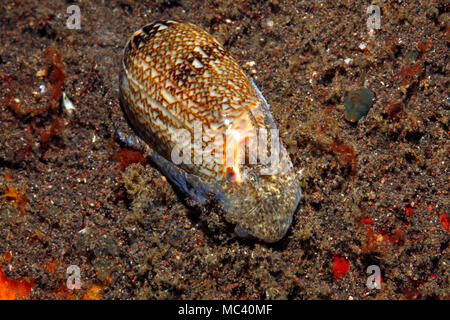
x: 208, y: 127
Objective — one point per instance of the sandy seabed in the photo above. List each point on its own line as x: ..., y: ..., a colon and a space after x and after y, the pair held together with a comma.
x: 375, y: 193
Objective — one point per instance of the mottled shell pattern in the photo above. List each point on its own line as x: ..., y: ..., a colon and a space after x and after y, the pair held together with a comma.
x: 177, y: 78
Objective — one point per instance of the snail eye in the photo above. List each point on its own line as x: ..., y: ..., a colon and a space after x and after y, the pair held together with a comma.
x: 230, y: 175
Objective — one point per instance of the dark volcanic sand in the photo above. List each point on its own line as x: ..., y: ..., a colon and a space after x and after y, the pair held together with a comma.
x: 375, y: 193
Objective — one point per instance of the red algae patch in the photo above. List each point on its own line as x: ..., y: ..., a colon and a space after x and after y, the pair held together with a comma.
x: 445, y: 221
x: 126, y: 157
x: 340, y: 267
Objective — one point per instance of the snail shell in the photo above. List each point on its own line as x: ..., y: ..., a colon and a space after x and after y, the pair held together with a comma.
x: 178, y: 85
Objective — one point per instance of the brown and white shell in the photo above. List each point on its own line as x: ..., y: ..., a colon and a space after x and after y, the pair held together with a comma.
x: 178, y: 78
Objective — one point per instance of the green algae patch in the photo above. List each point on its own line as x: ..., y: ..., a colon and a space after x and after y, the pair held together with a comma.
x: 357, y: 104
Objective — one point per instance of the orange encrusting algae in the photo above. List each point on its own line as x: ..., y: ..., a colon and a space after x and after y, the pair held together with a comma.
x: 93, y: 293
x: 11, y: 289
x: 20, y: 199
